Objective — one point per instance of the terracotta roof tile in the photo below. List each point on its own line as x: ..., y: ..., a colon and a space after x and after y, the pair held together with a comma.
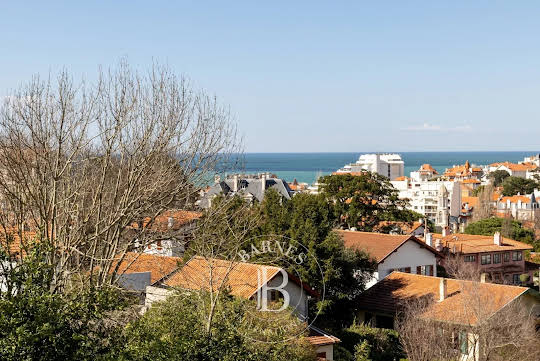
x: 389, y: 294
x: 516, y: 199
x: 240, y: 277
x: 472, y: 243
x: 158, y: 266
x: 471, y: 201
x: 429, y: 168
x: 378, y: 245
x: 161, y: 223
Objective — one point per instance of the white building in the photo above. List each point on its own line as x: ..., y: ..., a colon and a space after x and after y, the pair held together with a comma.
x: 387, y: 164
x: 534, y: 159
x: 403, y: 253
x: 437, y: 200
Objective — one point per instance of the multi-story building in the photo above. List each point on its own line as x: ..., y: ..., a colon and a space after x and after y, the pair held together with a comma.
x: 462, y: 172
x: 387, y: 164
x: 499, y: 257
x: 426, y: 172
x: 251, y: 187
x: 520, y: 207
x: 440, y: 201
x: 514, y: 169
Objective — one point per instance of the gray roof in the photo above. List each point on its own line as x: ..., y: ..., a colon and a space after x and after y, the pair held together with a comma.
x: 250, y: 187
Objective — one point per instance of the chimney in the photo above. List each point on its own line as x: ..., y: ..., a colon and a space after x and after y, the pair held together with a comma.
x: 429, y: 239
x: 438, y: 245
x: 443, y: 290
x: 483, y: 277
x: 263, y: 182
x: 497, y: 239
x: 235, y: 183
x: 445, y: 231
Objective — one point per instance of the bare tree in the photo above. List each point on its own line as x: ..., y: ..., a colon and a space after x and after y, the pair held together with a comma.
x: 81, y: 162
x: 484, y: 209
x: 472, y: 325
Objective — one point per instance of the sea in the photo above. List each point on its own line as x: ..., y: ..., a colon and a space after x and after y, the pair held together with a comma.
x: 307, y: 167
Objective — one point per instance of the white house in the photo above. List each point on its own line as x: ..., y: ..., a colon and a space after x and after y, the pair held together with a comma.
x: 387, y: 164
x: 437, y: 200
x: 404, y: 253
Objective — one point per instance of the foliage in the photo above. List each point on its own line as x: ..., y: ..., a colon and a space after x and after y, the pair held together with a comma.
x: 363, y: 201
x: 514, y: 185
x: 308, y: 219
x: 374, y: 344
x: 476, y: 192
x: 37, y: 323
x: 175, y: 330
x: 489, y: 226
x: 498, y: 176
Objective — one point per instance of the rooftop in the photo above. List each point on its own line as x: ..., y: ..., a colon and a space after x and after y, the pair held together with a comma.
x: 472, y: 243
x: 378, y: 245
x: 389, y: 294
x: 158, y: 266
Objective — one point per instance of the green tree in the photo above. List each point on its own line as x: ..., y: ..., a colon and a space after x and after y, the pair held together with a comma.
x: 371, y: 343
x: 508, y: 228
x: 514, y: 185
x: 363, y: 201
x: 175, y: 330
x: 309, y: 220
x: 37, y: 324
x: 498, y: 176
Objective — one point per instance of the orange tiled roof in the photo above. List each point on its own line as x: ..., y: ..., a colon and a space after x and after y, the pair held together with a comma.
x: 388, y: 294
x: 428, y: 167
x: 472, y: 201
x: 239, y: 277
x: 472, y: 243
x: 515, y: 167
x: 17, y: 245
x: 158, y: 266
x: 378, y: 245
x: 402, y: 178
x: 472, y: 181
x: 161, y: 223
x: 516, y: 199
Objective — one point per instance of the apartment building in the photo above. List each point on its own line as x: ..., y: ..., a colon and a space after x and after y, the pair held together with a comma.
x: 389, y: 165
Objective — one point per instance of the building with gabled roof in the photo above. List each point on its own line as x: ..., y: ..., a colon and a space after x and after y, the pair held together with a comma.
x: 393, y: 252
x: 250, y: 187
x: 499, y: 257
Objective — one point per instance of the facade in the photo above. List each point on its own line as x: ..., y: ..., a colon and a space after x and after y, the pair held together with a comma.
x: 405, y: 253
x: 449, y: 304
x: 514, y: 169
x: 522, y: 208
x: 389, y: 165
x: 251, y: 187
x: 440, y: 201
x: 425, y: 173
x: 499, y: 257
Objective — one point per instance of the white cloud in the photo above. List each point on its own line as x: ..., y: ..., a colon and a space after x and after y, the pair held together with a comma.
x: 427, y: 127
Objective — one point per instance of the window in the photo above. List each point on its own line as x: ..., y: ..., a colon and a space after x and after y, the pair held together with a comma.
x: 463, y: 343
x: 485, y: 259
x: 507, y: 257
x: 515, y: 279
x: 496, y: 258
x: 517, y: 256
x: 405, y: 269
x: 425, y: 270
x: 470, y: 258
x: 321, y: 355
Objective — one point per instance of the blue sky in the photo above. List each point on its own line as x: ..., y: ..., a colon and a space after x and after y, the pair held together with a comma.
x: 313, y: 76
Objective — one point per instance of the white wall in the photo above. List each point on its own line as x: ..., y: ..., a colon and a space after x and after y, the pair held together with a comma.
x: 298, y: 297
x: 408, y: 255
x: 329, y: 349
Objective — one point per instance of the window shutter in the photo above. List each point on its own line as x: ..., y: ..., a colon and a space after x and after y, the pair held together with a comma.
x: 431, y: 270
x: 418, y: 270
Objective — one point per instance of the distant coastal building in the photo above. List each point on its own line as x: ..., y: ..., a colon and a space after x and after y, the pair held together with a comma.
x: 515, y: 170
x: 387, y: 164
x: 440, y: 201
x: 463, y: 172
x: 426, y: 172
x: 251, y: 187
x: 534, y: 159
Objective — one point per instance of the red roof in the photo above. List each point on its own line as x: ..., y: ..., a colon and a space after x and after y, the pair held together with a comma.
x: 158, y: 266
x: 379, y: 245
